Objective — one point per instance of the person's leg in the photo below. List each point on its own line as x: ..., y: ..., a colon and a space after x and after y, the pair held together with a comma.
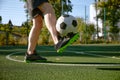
x: 50, y: 20
x: 31, y: 54
x: 37, y: 17
x: 34, y: 34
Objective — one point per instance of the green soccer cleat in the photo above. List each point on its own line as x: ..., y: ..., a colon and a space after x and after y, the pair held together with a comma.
x: 62, y: 44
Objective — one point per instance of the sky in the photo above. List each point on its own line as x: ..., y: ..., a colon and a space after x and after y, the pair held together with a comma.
x: 14, y: 10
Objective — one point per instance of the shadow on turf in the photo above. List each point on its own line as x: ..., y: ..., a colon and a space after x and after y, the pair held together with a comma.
x: 111, y: 69
x: 93, y: 63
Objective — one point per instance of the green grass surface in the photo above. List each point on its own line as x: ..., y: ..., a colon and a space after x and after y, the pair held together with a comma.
x: 92, y: 54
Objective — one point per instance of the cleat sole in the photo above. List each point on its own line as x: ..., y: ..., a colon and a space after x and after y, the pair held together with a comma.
x: 28, y: 61
x: 70, y: 42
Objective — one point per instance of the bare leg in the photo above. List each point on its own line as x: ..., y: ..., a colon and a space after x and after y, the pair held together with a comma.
x: 34, y: 34
x: 50, y: 20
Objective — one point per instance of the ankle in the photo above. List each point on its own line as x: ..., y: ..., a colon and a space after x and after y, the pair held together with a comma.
x: 30, y: 52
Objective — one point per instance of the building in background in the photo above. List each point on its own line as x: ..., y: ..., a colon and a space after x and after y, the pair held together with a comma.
x: 93, y: 20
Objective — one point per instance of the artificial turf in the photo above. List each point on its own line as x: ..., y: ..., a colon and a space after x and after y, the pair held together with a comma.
x: 12, y: 70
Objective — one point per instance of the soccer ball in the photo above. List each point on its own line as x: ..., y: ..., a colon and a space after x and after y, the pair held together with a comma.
x: 66, y: 24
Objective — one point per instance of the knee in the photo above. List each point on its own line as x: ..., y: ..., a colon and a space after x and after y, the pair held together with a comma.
x: 38, y: 21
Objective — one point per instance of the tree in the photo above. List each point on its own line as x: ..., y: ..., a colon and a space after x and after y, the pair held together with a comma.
x: 86, y: 30
x: 0, y: 19
x: 112, y: 10
x: 110, y: 15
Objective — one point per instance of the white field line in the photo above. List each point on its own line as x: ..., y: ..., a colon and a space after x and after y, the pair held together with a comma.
x: 62, y: 64
x: 10, y: 58
x: 97, y: 55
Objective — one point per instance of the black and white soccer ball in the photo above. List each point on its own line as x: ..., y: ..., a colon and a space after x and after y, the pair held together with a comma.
x: 66, y: 24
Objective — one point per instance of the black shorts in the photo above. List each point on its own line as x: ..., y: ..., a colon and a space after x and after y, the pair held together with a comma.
x: 32, y: 6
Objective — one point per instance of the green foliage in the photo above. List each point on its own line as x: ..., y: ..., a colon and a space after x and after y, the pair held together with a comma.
x: 112, y: 13
x: 58, y: 6
x: 2, y: 38
x: 67, y: 7
x: 9, y: 36
x: 86, y: 30
x: 114, y: 29
x: 0, y: 19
